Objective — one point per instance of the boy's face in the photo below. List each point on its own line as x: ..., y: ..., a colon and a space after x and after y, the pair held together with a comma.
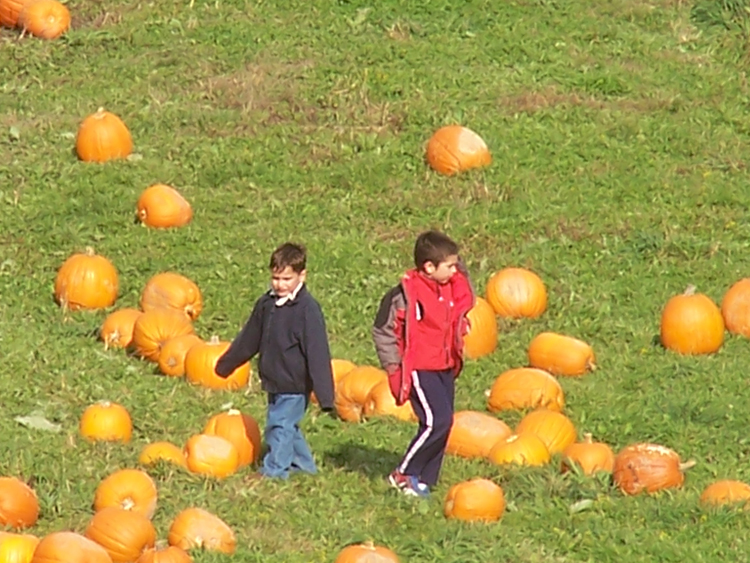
x: 284, y: 281
x: 443, y: 272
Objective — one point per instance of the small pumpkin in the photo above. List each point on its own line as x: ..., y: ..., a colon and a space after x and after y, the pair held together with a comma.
x: 129, y: 489
x: 380, y: 402
x: 525, y: 388
x: 648, y: 467
x: 560, y: 354
x: 122, y: 533
x: 520, y: 449
x: 726, y: 492
x: 47, y: 19
x: 161, y: 206
x: 69, y: 547
x: 172, y: 291
x: 735, y: 308
x: 554, y: 429
x: 366, y: 552
x: 106, y: 421
x: 17, y: 548
x: 477, y: 499
x: 481, y: 339
x: 211, y: 455
x: 162, y: 451
x: 589, y: 456
x: 691, y: 323
x: 353, y: 389
x: 200, y: 366
x: 153, y: 329
x: 19, y: 506
x: 169, y: 554
x: 195, y: 528
x: 117, y: 329
x: 241, y: 430
x: 173, y: 352
x: 103, y: 136
x: 454, y: 148
x: 10, y: 10
x: 473, y: 434
x: 86, y: 281
x: 516, y: 293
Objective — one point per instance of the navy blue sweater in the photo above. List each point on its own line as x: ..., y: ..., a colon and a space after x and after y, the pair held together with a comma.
x: 293, y: 347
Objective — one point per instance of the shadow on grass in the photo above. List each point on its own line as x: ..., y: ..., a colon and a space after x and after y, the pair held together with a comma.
x: 375, y: 463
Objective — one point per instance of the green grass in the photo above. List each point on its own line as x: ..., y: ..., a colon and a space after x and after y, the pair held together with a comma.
x: 619, y: 134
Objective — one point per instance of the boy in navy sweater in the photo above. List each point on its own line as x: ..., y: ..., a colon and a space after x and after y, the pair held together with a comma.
x: 288, y: 330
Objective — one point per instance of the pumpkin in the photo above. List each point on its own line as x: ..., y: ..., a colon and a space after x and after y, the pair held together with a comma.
x: 117, y: 329
x: 122, y: 533
x: 735, y: 308
x: 648, y: 467
x: 103, y: 136
x: 162, y: 451
x: 155, y: 328
x: 69, y: 547
x: 169, y: 554
x: 552, y: 427
x: 353, y: 389
x: 47, y: 19
x: 380, y: 402
x: 560, y: 354
x: 86, y: 281
x: 172, y: 291
x: 200, y: 366
x: 366, y: 552
x: 589, y: 456
x: 197, y: 528
x: 516, y: 292
x: 162, y: 206
x: 10, y: 10
x: 129, y: 489
x: 454, y: 148
x: 482, y: 336
x: 726, y: 492
x: 339, y: 368
x: 477, y: 499
x: 525, y: 388
x: 17, y: 548
x: 106, y: 421
x: 211, y: 455
x: 173, y: 352
x: 473, y: 434
x: 19, y: 507
x: 692, y: 324
x: 241, y: 430
x: 522, y: 449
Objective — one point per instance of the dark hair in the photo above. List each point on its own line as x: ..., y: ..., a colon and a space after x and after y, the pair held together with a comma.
x: 433, y: 246
x: 289, y: 254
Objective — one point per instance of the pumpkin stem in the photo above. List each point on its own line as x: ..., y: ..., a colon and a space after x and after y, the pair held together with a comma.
x: 233, y: 412
x: 690, y: 290
x: 213, y: 340
x: 687, y: 465
x: 90, y: 251
x: 128, y: 504
x: 588, y: 438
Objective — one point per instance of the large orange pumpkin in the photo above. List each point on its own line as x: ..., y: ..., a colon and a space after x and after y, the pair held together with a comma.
x: 173, y: 352
x: 473, y: 434
x: 380, y: 402
x: 106, y: 421
x: 17, y: 548
x: 162, y: 451
x: 211, y: 455
x: 86, y: 281
x: 117, y: 329
x: 47, y: 19
x: 169, y: 554
x: 129, y: 489
x: 153, y: 329
x: 554, y: 429
x: 525, y: 388
x: 353, y: 389
x: 692, y: 324
x: 726, y: 492
x: 69, y: 547
x: 241, y: 430
x: 648, y: 467
x: 122, y: 533
x: 366, y: 552
x: 10, y: 10
x: 517, y: 292
x: 477, y: 499
x: 520, y: 449
x: 735, y: 308
x: 162, y: 206
x: 103, y: 136
x: 560, y: 354
x: 19, y: 507
x: 200, y: 366
x: 195, y: 528
x: 454, y: 148
x: 172, y: 291
x: 588, y: 456
x: 482, y: 336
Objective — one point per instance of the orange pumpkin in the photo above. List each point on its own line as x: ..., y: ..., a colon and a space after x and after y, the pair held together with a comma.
x: 153, y: 329
x: 162, y: 451
x: 197, y: 528
x: 735, y: 308
x: 692, y: 324
x: 473, y: 434
x: 726, y: 492
x: 521, y: 449
x: 10, y: 10
x: 380, y: 402
x: 106, y: 421
x: 173, y: 352
x: 172, y: 291
x: 162, y: 206
x: 19, y: 507
x: 117, y: 329
x: 241, y: 430
x: 454, y: 148
x: 122, y: 533
x: 17, y: 548
x: 648, y: 467
x: 200, y: 366
x: 366, y: 552
x: 353, y: 389
x: 103, y: 136
x: 525, y: 388
x: 482, y: 336
x: 86, y: 281
x: 560, y: 354
x: 589, y: 456
x: 170, y: 554
x: 129, y: 489
x: 69, y: 547
x: 47, y: 19
x: 552, y: 427
x: 477, y: 499
x: 517, y: 292
x: 211, y: 455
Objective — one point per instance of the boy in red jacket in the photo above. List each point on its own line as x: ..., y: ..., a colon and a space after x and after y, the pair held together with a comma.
x: 418, y: 334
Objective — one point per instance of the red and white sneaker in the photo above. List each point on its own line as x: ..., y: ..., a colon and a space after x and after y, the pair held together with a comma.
x: 408, y: 484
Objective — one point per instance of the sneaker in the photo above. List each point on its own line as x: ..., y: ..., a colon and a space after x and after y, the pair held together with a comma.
x: 408, y: 484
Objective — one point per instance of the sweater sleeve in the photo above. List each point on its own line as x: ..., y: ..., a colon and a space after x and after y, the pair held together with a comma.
x: 318, y: 355
x: 244, y: 346
x: 384, y: 328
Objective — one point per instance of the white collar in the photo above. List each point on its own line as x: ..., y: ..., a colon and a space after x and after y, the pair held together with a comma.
x: 289, y: 297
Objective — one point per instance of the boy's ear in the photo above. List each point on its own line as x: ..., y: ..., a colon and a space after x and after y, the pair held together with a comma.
x: 303, y: 275
x: 429, y: 268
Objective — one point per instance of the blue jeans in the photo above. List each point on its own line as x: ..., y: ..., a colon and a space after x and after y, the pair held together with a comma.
x: 287, y: 449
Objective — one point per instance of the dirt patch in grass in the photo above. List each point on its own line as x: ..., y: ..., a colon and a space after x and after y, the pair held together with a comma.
x: 96, y: 14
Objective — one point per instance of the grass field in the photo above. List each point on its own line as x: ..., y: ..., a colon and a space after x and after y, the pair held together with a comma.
x: 619, y: 132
